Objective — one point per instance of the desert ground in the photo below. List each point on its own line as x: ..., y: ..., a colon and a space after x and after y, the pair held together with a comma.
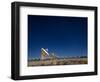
x: 49, y: 62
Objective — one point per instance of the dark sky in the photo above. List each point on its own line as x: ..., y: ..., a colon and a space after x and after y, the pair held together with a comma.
x: 64, y: 36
